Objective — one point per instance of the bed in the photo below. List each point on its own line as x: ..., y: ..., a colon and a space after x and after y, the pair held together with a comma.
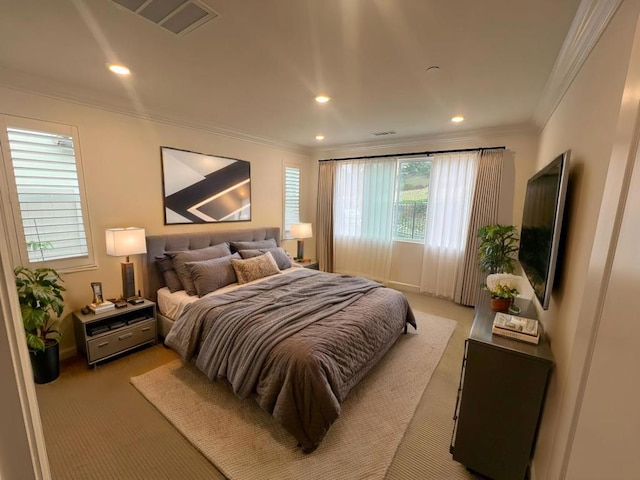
x: 296, y: 340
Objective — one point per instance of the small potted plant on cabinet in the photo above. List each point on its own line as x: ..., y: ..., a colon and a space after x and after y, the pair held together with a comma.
x: 498, y: 245
x: 503, y: 288
x: 41, y: 304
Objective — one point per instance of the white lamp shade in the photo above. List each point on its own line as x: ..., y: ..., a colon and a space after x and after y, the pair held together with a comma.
x: 301, y: 230
x: 122, y: 242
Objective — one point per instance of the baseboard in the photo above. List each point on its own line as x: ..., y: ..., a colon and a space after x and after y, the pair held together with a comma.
x: 406, y: 287
x: 68, y: 353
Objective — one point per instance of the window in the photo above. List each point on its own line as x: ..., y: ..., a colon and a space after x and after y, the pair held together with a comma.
x: 47, y: 195
x: 412, y: 194
x: 291, y: 198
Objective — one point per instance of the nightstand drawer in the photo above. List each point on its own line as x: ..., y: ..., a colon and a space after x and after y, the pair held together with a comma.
x: 121, y: 340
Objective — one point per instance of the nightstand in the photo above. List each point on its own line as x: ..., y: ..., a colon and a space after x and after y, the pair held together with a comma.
x: 312, y: 264
x: 100, y: 336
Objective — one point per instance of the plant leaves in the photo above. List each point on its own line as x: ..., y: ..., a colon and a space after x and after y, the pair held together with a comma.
x: 39, y: 292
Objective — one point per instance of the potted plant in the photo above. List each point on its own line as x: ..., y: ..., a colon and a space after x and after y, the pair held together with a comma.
x: 41, y: 304
x: 498, y: 245
x: 503, y: 288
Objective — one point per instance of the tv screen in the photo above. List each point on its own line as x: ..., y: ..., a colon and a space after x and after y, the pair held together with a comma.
x: 542, y: 224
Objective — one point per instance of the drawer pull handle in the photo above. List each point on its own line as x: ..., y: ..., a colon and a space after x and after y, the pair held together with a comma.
x: 103, y: 344
x: 146, y: 329
x: 123, y: 337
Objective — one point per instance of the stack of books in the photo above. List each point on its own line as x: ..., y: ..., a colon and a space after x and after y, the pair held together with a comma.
x: 102, y: 307
x: 519, y: 328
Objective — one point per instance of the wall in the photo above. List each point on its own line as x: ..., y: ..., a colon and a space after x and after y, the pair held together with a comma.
x: 615, y: 354
x: 15, y: 449
x: 585, y: 121
x: 121, y: 159
x: 520, y: 157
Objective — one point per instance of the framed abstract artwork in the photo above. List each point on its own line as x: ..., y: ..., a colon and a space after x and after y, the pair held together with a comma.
x: 201, y: 188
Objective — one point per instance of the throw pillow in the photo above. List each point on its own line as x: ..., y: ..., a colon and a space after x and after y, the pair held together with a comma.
x: 171, y: 280
x: 279, y: 255
x: 255, y: 268
x: 179, y: 260
x: 210, y: 275
x: 269, y: 243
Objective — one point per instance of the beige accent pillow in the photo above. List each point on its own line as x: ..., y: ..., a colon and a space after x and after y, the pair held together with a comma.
x: 255, y: 267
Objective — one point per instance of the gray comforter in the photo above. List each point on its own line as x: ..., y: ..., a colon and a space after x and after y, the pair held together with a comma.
x: 299, y: 342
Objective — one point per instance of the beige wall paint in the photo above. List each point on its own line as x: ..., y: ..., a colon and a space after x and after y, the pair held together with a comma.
x: 585, y: 121
x: 121, y: 159
x: 521, y: 145
x: 607, y: 429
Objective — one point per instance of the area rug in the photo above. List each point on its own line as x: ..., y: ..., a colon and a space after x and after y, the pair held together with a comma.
x: 244, y: 442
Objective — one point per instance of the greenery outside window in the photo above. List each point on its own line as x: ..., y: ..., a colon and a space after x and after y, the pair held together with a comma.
x: 412, y: 194
x: 44, y: 187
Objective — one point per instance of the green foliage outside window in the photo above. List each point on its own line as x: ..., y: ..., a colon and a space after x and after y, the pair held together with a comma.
x: 411, y: 206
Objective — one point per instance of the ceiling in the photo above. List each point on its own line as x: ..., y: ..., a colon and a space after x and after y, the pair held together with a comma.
x: 254, y: 70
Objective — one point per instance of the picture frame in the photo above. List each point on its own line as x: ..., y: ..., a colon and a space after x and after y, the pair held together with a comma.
x: 96, y: 288
x: 203, y: 188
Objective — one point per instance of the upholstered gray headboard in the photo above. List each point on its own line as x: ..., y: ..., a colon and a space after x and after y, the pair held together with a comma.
x: 158, y: 245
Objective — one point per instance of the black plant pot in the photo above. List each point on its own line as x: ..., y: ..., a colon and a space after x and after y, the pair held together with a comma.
x: 46, y: 364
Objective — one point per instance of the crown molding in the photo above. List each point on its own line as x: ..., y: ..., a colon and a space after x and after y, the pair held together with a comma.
x: 591, y: 18
x: 33, y: 85
x: 478, y: 136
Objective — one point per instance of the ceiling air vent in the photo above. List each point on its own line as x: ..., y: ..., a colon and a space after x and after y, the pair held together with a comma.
x: 177, y: 16
x: 380, y: 134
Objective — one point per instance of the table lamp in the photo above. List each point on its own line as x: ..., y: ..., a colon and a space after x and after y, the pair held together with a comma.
x: 301, y: 231
x: 122, y: 242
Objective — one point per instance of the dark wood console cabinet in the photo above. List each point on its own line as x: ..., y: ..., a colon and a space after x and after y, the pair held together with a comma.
x: 502, y: 389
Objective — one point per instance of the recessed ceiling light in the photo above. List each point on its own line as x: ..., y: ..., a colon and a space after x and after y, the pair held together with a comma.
x: 319, y: 137
x: 322, y: 98
x: 457, y: 119
x: 119, y: 69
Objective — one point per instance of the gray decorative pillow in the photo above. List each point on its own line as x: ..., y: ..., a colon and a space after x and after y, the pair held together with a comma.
x: 269, y: 243
x: 179, y: 259
x: 279, y: 255
x: 210, y: 275
x: 255, y: 268
x: 165, y: 265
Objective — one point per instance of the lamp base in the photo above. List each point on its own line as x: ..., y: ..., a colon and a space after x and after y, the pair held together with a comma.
x: 300, y: 250
x: 128, y: 280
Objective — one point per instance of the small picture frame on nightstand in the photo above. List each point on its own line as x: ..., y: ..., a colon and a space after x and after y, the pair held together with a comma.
x: 98, y: 298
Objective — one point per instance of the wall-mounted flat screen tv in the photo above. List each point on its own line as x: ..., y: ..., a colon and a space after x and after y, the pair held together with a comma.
x: 542, y: 224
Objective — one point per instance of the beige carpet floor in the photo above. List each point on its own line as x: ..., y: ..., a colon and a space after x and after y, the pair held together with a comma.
x: 244, y: 442
x: 97, y: 426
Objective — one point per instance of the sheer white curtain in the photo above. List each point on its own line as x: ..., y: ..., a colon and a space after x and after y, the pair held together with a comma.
x: 363, y: 216
x: 451, y: 189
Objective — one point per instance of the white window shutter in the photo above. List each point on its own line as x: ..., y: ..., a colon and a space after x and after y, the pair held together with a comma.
x: 49, y: 194
x: 291, y: 198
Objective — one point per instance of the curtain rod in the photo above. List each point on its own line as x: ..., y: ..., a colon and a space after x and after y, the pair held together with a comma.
x: 435, y: 152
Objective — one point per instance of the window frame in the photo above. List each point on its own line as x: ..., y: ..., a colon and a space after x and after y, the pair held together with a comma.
x: 286, y: 234
x: 11, y: 206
